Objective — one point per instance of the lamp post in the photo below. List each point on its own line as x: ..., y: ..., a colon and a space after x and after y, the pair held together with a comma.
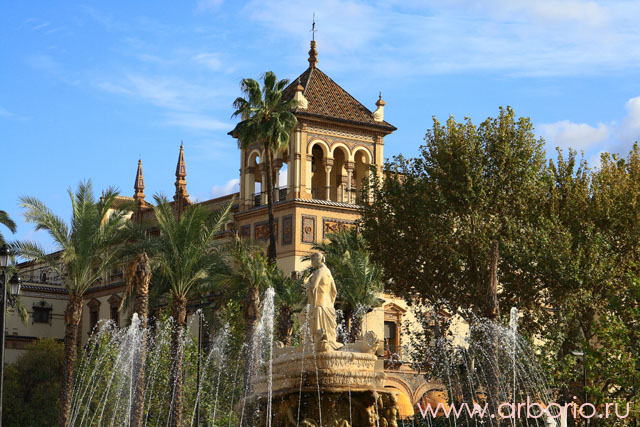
x: 584, y: 376
x: 200, y: 307
x: 14, y: 283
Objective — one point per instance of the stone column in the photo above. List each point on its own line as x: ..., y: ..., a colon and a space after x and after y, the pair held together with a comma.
x: 349, y: 166
x: 328, y: 165
x: 277, y: 165
x: 309, y: 175
x: 249, y: 187
x: 263, y: 184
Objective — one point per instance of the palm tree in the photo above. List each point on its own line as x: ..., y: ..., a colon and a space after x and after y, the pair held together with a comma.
x: 7, y: 222
x: 248, y: 273
x: 266, y: 120
x: 358, y: 279
x: 186, y: 254
x: 138, y: 276
x: 88, y: 248
x: 290, y: 297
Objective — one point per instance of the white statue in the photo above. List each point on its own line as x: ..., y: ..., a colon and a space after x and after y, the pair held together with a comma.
x: 321, y: 296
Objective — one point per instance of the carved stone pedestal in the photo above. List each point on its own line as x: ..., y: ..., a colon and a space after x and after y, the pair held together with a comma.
x: 339, y: 409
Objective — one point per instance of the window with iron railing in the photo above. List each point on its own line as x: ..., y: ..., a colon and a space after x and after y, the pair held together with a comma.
x: 282, y: 193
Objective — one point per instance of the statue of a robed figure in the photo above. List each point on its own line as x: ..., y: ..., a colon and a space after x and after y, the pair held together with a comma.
x: 321, y: 296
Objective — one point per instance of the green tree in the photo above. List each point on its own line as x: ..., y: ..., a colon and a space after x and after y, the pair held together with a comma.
x: 290, y: 298
x: 32, y: 385
x: 88, y: 247
x: 248, y: 273
x: 186, y: 253
x: 592, y: 281
x: 433, y: 218
x: 358, y: 279
x: 7, y: 222
x: 267, y: 122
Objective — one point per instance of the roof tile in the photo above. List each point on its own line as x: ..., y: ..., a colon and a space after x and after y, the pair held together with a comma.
x: 328, y: 100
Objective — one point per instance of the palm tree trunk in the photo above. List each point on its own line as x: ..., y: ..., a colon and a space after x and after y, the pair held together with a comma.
x: 285, y: 325
x: 143, y: 277
x: 250, y: 315
x: 72, y: 319
x: 271, y: 251
x: 179, y: 314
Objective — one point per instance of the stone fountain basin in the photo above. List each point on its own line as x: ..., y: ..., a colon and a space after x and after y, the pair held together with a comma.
x: 333, y: 371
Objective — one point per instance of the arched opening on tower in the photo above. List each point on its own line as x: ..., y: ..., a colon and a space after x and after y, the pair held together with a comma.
x: 338, y: 175
x: 253, y: 180
x: 318, y: 173
x: 281, y: 175
x: 360, y: 173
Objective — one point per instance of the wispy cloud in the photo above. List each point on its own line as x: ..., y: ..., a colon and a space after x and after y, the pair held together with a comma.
x: 210, y: 60
x: 195, y: 121
x: 231, y: 186
x: 4, y: 113
x: 163, y: 91
x: 202, y: 5
x: 520, y: 37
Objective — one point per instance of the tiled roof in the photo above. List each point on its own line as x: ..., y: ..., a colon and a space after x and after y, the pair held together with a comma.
x: 44, y: 289
x: 328, y: 100
x: 329, y: 203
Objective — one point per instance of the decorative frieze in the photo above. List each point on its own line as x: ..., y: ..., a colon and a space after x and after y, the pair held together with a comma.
x: 333, y: 225
x: 308, y: 229
x: 287, y: 229
x: 261, y: 230
x: 340, y: 134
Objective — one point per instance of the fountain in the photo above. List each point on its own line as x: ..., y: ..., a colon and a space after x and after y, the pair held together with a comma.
x: 466, y: 368
x: 323, y: 382
x: 319, y: 382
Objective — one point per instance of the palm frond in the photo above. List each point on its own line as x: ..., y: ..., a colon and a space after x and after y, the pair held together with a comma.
x: 7, y: 221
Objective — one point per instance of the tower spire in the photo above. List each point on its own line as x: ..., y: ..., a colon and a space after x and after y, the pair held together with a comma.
x: 181, y: 168
x: 181, y: 198
x: 138, y: 186
x: 313, y: 53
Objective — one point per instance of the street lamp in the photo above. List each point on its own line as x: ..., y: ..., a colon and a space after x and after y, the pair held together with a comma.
x: 14, y: 283
x: 4, y: 256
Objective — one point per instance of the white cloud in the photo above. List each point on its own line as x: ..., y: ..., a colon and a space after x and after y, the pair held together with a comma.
x: 519, y: 37
x: 614, y: 137
x: 629, y: 129
x: 579, y: 136
x: 231, y: 186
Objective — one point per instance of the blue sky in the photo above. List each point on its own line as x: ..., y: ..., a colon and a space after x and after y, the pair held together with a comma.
x: 88, y: 87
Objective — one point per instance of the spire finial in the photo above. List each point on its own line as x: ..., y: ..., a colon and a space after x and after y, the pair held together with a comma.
x: 181, y: 168
x: 138, y: 186
x: 380, y: 102
x: 313, y: 53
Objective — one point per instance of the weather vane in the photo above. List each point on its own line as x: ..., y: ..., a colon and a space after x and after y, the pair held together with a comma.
x: 313, y: 27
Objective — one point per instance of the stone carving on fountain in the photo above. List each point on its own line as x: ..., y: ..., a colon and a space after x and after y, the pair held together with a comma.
x: 345, y: 381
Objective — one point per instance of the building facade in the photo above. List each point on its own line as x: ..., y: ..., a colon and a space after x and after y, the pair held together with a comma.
x: 331, y: 152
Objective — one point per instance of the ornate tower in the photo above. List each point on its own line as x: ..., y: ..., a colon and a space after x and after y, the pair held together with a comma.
x: 181, y: 198
x: 138, y: 186
x: 331, y: 151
